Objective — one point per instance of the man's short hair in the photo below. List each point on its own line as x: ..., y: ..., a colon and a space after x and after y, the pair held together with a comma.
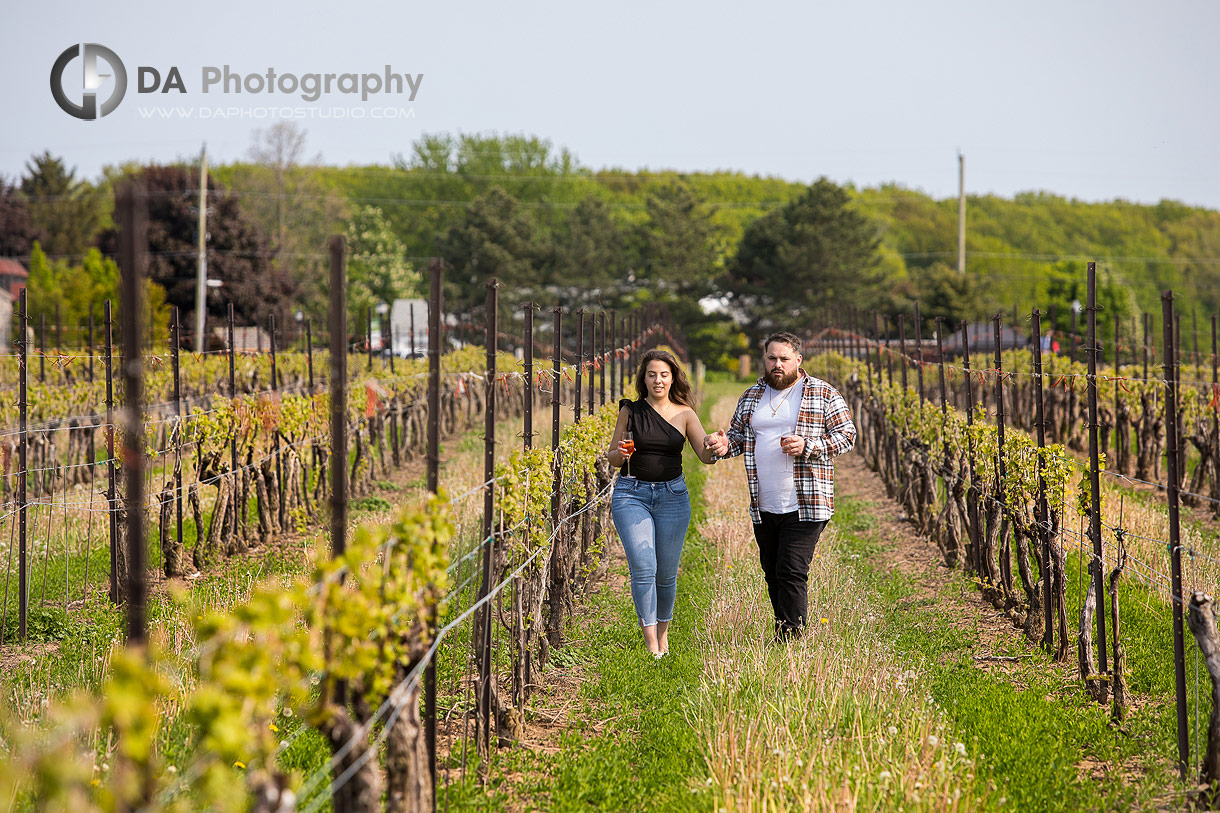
x: 787, y: 338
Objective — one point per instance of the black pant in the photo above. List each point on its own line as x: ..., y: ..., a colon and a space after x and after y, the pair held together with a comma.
x: 785, y: 549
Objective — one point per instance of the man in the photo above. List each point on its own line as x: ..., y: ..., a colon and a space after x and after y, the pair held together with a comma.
x: 789, y: 426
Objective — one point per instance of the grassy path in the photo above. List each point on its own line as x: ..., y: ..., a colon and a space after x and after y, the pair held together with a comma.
x: 624, y: 739
x: 907, y: 693
x: 1035, y: 740
x: 728, y: 721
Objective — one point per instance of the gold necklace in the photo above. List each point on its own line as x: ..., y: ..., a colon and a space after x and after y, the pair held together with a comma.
x: 771, y: 399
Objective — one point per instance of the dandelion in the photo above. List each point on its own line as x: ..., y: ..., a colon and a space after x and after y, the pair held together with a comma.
x: 933, y: 740
x: 273, y: 727
x: 172, y: 769
x: 825, y: 620
x: 960, y: 748
x: 885, y: 776
x: 239, y: 764
x: 893, y: 730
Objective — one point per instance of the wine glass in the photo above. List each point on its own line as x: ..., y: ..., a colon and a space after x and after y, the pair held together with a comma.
x: 628, y: 447
x: 784, y: 438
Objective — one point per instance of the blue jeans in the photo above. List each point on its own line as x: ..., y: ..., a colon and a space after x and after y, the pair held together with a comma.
x: 652, y: 519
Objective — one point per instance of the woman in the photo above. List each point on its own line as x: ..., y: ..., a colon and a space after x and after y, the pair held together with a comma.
x: 651, y: 507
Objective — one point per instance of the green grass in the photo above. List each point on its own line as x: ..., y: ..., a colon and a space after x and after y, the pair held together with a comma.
x: 633, y: 745
x: 630, y: 746
x: 1036, y: 740
x: 644, y: 754
x: 1029, y: 731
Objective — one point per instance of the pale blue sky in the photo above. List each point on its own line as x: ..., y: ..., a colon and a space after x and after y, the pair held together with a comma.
x: 1095, y: 100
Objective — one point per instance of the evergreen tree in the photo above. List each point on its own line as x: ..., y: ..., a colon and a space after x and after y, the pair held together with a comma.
x: 66, y: 213
x: 679, y: 242
x: 591, y: 257
x: 496, y: 238
x: 813, y: 252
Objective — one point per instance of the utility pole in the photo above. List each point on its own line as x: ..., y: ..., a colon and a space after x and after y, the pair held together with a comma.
x: 961, y: 213
x: 201, y: 282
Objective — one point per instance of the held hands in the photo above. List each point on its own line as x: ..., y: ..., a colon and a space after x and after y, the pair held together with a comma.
x: 717, y: 442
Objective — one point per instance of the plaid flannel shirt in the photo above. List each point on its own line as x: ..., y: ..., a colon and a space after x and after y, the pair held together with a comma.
x: 824, y: 421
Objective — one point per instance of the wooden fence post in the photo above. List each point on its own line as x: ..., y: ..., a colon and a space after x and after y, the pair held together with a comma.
x: 435, y: 306
x: 131, y: 206
x: 1095, y: 476
x: 1175, y: 546
x: 484, y: 712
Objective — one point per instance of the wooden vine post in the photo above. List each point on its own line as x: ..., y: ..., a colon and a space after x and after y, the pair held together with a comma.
x: 1175, y: 546
x: 1050, y: 587
x: 1095, y: 481
x: 435, y: 308
x: 484, y: 714
x: 972, y: 501
x: 23, y: 372
x: 131, y: 205
x: 554, y: 628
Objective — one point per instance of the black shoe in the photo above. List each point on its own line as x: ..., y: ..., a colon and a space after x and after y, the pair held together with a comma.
x: 786, y: 633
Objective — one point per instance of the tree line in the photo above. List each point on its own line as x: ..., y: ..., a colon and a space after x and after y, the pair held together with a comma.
x: 731, y: 255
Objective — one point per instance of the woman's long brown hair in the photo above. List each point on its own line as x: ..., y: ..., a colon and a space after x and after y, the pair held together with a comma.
x: 679, y: 390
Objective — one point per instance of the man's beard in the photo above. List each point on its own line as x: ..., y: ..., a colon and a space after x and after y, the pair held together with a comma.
x: 779, y: 381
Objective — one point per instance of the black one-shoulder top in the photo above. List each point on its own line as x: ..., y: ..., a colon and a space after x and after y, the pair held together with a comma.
x: 658, y: 443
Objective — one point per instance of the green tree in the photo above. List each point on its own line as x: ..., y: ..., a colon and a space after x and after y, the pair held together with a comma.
x: 941, y: 291
x: 66, y: 213
x: 812, y: 252
x: 237, y: 251
x: 1067, y: 282
x: 283, y: 193
x: 80, y: 289
x: 590, y: 258
x: 43, y: 287
x: 377, y: 267
x: 679, y: 243
x: 718, y: 341
x: 496, y: 238
x: 424, y: 193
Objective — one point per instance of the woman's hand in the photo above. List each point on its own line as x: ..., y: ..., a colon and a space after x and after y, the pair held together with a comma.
x: 717, y: 442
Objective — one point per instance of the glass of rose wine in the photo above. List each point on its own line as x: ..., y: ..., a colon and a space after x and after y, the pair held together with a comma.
x: 628, y: 448
x: 784, y: 439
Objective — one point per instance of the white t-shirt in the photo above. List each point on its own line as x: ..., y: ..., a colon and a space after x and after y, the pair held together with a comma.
x: 775, y: 416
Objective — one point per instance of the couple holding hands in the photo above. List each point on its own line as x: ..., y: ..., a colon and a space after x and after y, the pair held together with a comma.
x: 788, y: 425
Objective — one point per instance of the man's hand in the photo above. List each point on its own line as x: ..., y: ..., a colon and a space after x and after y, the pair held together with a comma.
x: 717, y: 442
x: 792, y: 445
